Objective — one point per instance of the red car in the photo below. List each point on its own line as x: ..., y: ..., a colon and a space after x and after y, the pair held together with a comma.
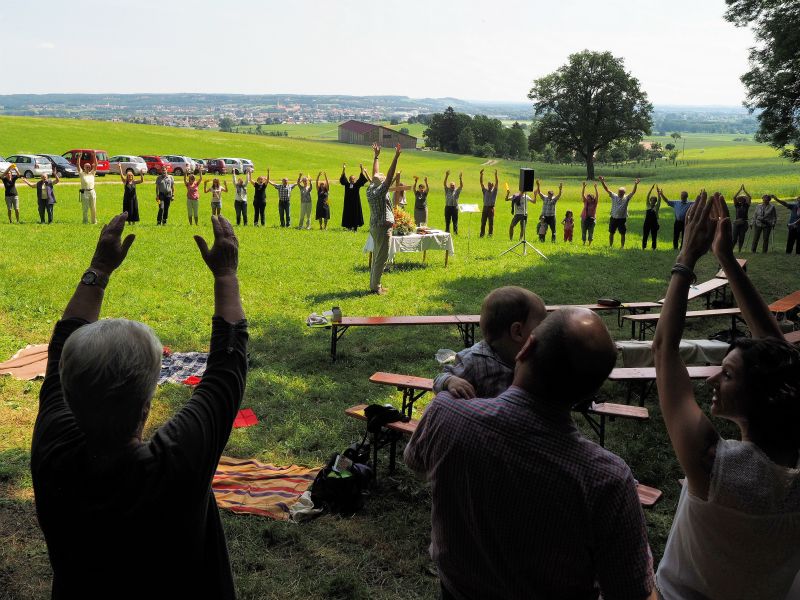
x: 155, y: 164
x: 82, y: 156
x: 216, y: 166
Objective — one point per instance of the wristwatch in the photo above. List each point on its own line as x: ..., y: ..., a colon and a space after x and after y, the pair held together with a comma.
x: 92, y: 277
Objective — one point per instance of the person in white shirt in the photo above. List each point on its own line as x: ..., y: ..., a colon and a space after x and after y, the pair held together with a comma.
x: 87, y: 172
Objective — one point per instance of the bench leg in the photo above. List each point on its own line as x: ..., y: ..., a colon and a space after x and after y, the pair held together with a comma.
x: 334, y: 339
x: 370, y: 260
x: 392, y: 452
x: 446, y: 256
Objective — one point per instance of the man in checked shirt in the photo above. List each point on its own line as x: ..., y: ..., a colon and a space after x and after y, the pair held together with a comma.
x: 523, y: 505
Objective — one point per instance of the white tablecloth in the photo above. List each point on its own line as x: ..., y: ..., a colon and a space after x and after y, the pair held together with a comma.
x: 436, y: 240
x: 693, y: 352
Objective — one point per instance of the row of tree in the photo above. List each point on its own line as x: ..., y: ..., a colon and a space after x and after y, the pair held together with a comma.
x: 480, y: 135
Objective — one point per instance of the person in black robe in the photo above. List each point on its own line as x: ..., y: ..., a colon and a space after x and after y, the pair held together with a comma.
x: 352, y: 216
x: 130, y: 203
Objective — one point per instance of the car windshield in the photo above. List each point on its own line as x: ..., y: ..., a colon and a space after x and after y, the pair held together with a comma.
x: 59, y: 160
x: 102, y: 156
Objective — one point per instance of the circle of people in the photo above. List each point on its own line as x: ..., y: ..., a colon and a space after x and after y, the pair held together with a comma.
x: 763, y: 220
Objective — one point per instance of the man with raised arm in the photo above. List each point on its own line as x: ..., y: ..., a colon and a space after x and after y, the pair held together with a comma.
x: 284, y: 198
x: 569, y: 524
x: 793, y: 241
x: 681, y: 207
x: 87, y: 172
x: 451, y: 195
x: 489, y: 200
x: 619, y: 211
x: 381, y: 217
x: 125, y: 517
x: 549, y: 207
x: 165, y: 191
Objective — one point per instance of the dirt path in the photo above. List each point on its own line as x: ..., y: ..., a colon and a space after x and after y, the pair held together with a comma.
x: 489, y: 163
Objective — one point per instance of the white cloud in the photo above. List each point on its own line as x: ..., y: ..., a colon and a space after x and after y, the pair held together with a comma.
x: 47, y: 45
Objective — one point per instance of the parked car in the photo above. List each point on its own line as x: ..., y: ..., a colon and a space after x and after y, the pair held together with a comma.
x: 180, y: 164
x: 247, y: 164
x: 233, y: 165
x: 199, y: 166
x: 129, y: 163
x: 64, y: 168
x: 31, y: 165
x: 216, y: 166
x: 4, y: 164
x: 155, y: 164
x: 81, y: 156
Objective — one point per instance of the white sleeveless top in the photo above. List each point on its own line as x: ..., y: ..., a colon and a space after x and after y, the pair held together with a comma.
x: 744, y: 542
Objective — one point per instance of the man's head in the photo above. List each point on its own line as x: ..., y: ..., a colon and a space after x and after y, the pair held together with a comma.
x: 164, y: 170
x: 352, y: 178
x: 684, y: 196
x: 490, y: 185
x: 621, y: 192
x: 550, y: 193
x: 378, y: 179
x: 766, y: 198
x: 508, y: 316
x: 109, y: 371
x: 452, y: 185
x: 285, y: 181
x: 567, y: 358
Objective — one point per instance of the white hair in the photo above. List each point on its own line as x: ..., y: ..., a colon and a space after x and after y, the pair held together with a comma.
x: 109, y: 370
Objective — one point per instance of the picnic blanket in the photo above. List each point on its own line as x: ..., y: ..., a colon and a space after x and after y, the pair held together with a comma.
x: 29, y: 363
x: 244, y: 485
x: 179, y: 366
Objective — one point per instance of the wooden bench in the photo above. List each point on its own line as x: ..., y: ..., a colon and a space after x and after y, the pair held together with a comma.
x: 413, y: 388
x: 633, y: 308
x: 786, y: 303
x: 793, y: 337
x: 717, y: 286
x: 645, y: 378
x: 742, y: 263
x: 647, y: 322
x: 648, y: 496
x: 464, y: 323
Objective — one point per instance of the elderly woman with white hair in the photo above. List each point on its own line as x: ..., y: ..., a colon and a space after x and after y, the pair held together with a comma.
x: 123, y: 516
x: 381, y: 218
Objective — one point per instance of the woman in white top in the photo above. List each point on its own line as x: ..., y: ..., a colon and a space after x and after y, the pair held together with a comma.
x: 87, y: 172
x: 240, y: 200
x: 216, y: 190
x: 736, y: 532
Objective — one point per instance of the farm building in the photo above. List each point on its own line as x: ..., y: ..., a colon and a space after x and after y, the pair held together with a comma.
x: 358, y: 132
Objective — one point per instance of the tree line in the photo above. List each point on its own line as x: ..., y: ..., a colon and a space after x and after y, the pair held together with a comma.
x: 480, y: 135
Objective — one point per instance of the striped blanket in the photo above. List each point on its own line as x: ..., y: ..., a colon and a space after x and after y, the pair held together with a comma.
x: 245, y: 485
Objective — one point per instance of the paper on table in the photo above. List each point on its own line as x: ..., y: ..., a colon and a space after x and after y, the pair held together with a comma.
x: 468, y: 208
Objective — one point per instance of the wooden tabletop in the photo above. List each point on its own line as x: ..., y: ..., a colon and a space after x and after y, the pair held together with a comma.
x: 403, y: 381
x: 787, y: 303
x: 644, y: 373
x: 692, y: 314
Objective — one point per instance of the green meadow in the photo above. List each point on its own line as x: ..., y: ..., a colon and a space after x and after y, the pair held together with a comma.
x: 298, y: 394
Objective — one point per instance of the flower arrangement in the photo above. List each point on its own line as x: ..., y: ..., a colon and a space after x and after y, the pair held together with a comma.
x: 403, y: 223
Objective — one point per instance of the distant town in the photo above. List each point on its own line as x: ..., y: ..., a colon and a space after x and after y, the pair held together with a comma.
x: 205, y: 111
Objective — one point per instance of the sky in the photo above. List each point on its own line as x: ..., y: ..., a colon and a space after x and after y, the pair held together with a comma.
x: 682, y: 51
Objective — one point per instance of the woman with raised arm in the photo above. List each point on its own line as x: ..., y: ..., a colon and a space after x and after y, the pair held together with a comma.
x: 130, y: 203
x: 45, y: 196
x: 741, y: 204
x: 588, y: 214
x: 352, y: 215
x: 216, y: 190
x: 192, y: 195
x: 651, y: 226
x: 240, y: 199
x: 306, y: 187
x: 421, y: 201
x: 736, y: 532
x: 259, y: 199
x: 10, y: 178
x: 323, y: 212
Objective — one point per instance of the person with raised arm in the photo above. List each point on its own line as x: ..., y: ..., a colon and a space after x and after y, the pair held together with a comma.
x: 240, y: 198
x: 680, y: 208
x: 87, y: 172
x: 154, y: 531
x: 421, y: 201
x: 793, y: 241
x: 736, y: 529
x: 10, y: 177
x: 588, y: 214
x: 489, y: 201
x: 451, y: 195
x: 651, y: 226
x: 619, y: 211
x: 549, y: 207
x: 259, y: 199
x: 352, y: 215
x: 519, y: 206
x: 741, y: 222
x: 306, y: 187
x: 284, y: 197
x: 381, y: 216
x: 217, y: 189
x: 130, y: 201
x: 165, y: 192
x: 765, y: 218
x: 323, y: 210
x: 193, y: 195
x: 45, y: 196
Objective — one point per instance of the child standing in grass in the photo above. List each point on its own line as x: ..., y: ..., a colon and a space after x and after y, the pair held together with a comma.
x: 569, y: 226
x: 541, y: 229
x: 216, y: 190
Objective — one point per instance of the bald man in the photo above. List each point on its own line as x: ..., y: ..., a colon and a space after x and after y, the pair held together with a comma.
x: 565, y: 500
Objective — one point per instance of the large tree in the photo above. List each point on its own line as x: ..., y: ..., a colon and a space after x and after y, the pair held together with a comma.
x: 589, y: 103
x: 773, y: 81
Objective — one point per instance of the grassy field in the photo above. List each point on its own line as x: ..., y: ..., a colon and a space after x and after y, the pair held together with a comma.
x: 298, y: 395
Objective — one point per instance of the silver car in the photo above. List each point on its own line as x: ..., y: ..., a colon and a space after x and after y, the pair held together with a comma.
x: 233, y: 165
x: 129, y: 163
x: 247, y: 164
x: 180, y: 164
x: 199, y: 166
x: 4, y: 165
x: 30, y: 165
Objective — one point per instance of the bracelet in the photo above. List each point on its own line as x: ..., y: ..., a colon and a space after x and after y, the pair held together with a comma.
x: 684, y: 270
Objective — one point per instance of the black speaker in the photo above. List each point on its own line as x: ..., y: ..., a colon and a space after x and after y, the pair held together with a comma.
x: 526, y: 179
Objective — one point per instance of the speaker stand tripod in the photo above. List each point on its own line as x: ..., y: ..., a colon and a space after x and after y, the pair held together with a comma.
x: 524, y: 240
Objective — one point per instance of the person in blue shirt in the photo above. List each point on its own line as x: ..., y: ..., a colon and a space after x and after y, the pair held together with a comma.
x: 681, y: 207
x: 793, y: 241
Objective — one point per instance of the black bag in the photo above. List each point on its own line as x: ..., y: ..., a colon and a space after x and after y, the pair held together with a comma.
x: 380, y: 415
x: 341, y: 491
x: 609, y: 302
